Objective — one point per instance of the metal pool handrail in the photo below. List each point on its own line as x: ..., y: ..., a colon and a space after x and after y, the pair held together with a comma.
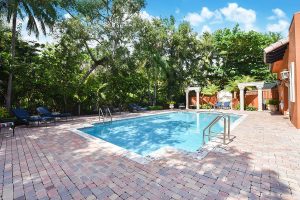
x: 101, y: 114
x: 109, y: 113
x: 226, y: 118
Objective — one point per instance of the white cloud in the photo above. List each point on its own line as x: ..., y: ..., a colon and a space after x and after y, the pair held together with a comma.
x: 146, y: 16
x: 195, y: 18
x: 272, y: 17
x: 177, y: 11
x: 206, y: 28
x: 281, y: 27
x: 277, y: 14
x: 206, y: 13
x: 218, y: 18
x: 67, y: 16
x: 234, y: 13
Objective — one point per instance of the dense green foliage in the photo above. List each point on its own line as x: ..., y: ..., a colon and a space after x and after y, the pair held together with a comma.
x: 3, y: 112
x: 206, y: 106
x: 250, y: 108
x: 210, y: 90
x: 273, y: 102
x: 106, y: 54
x: 39, y: 16
x: 155, y: 107
x: 232, y: 85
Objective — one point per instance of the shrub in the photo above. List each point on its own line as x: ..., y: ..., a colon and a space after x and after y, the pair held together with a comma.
x: 206, y: 106
x: 155, y: 107
x: 171, y: 102
x: 4, y: 112
x: 250, y: 108
x: 237, y: 107
x: 247, y: 108
x: 273, y: 102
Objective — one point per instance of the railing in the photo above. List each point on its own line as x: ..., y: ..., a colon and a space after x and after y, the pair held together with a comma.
x: 101, y: 115
x: 108, y: 113
x: 226, y: 118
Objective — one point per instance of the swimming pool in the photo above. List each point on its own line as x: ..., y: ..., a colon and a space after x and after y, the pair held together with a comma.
x: 144, y: 135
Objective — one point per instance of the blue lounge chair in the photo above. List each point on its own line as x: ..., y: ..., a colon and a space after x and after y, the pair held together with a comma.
x: 181, y: 106
x: 226, y: 105
x: 24, y: 117
x: 115, y: 110
x: 140, y: 108
x: 43, y: 111
x: 218, y: 105
x: 134, y: 107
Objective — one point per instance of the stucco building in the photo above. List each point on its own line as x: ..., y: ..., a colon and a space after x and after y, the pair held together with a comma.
x: 284, y: 59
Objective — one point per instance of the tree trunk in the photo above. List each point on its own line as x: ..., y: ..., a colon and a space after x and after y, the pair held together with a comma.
x: 79, y: 109
x: 149, y: 92
x: 13, y: 53
x: 65, y: 102
x: 155, y: 86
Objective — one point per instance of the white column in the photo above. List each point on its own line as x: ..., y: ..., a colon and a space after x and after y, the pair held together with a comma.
x: 260, y: 97
x: 197, y: 97
x: 187, y: 99
x: 242, y: 96
x: 198, y: 122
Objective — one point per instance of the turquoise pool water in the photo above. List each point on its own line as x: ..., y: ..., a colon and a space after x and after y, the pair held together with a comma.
x: 143, y: 135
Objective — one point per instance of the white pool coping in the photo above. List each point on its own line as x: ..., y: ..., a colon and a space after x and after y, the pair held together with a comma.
x: 214, y: 144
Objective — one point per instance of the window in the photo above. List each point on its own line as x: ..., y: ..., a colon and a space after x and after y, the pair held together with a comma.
x: 292, y: 82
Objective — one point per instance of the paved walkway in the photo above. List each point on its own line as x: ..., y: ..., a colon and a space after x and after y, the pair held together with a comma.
x: 263, y: 162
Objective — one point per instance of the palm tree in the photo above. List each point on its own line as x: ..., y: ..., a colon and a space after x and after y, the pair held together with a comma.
x: 39, y: 15
x: 232, y: 85
x: 210, y: 90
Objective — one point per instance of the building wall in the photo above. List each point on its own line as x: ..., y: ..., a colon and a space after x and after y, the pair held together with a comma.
x: 283, y: 97
x: 251, y: 97
x: 271, y: 94
x: 293, y: 56
x: 203, y: 100
x: 278, y: 67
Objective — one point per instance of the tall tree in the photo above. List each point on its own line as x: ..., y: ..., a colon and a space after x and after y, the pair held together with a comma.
x: 241, y: 53
x: 104, y: 31
x: 150, y: 50
x: 104, y: 28
x: 38, y: 15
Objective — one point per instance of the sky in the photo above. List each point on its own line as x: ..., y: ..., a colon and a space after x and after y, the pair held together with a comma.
x: 210, y: 15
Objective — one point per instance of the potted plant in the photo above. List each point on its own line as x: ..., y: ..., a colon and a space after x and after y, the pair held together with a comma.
x: 171, y: 104
x: 272, y: 105
x: 4, y: 114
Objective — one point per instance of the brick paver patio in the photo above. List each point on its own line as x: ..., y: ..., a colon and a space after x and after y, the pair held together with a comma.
x: 263, y: 162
